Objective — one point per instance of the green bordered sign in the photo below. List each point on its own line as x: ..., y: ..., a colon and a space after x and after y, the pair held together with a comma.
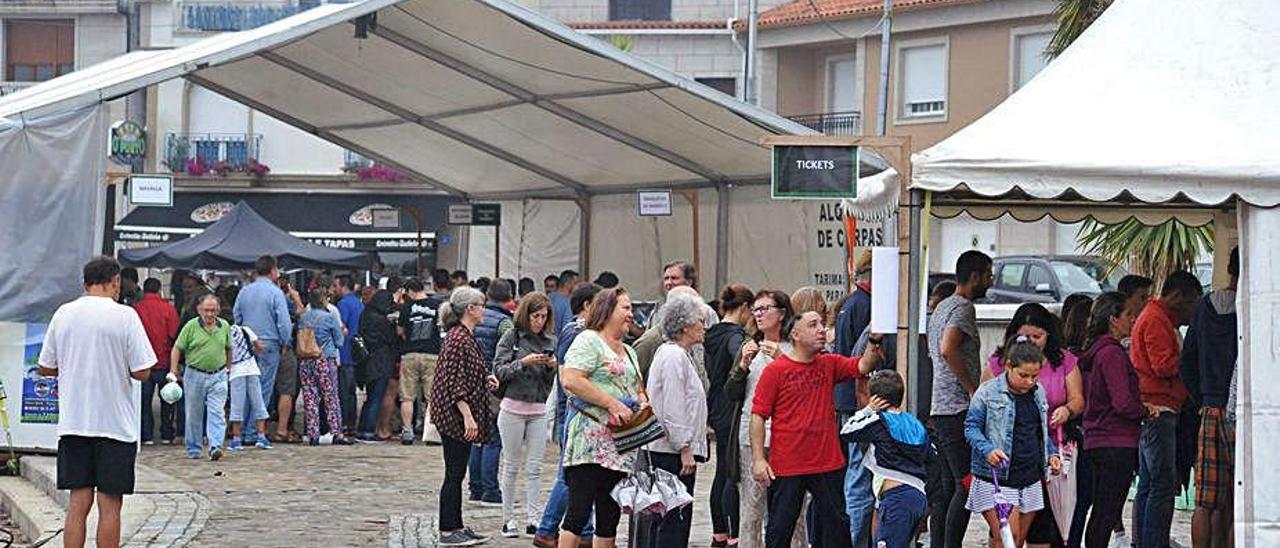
x: 815, y: 172
x: 128, y: 141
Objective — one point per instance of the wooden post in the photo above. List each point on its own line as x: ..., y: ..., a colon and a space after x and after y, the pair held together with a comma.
x: 691, y: 196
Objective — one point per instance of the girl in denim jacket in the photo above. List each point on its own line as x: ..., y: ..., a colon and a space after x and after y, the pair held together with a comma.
x: 1007, y: 429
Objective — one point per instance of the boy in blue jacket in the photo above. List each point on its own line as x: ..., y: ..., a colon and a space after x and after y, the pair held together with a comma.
x: 898, y: 456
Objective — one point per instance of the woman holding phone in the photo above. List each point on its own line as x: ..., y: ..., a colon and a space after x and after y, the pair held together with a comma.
x: 525, y: 365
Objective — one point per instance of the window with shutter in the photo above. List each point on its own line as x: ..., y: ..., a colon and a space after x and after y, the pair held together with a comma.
x: 639, y: 10
x: 36, y: 50
x: 1029, y: 56
x: 923, y: 89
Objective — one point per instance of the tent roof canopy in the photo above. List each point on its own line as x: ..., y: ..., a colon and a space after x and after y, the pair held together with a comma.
x: 480, y: 98
x: 236, y: 241
x: 1167, y: 102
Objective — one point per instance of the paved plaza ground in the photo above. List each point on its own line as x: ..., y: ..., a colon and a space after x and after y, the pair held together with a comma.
x: 379, y: 494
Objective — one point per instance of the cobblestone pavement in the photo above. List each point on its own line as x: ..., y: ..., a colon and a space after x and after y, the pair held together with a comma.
x: 380, y: 494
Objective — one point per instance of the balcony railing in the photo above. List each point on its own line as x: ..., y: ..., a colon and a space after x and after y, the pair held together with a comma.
x: 9, y: 88
x: 832, y: 123
x: 352, y: 161
x: 228, y: 16
x: 234, y: 150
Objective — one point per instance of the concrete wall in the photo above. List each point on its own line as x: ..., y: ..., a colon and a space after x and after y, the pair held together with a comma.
x: 694, y: 56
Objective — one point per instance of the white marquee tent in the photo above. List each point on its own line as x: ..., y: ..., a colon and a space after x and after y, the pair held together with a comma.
x: 486, y: 100
x: 1162, y: 108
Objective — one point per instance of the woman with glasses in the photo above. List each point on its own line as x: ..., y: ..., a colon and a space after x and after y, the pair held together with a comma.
x: 771, y: 310
x: 460, y: 406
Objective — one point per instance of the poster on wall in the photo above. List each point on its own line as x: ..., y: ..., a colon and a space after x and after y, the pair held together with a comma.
x: 827, y: 252
x: 39, y: 394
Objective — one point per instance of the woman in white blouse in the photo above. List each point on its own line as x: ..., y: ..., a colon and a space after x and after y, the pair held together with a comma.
x: 680, y: 405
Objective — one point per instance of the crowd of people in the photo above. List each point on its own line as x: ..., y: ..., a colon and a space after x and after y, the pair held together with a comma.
x: 796, y: 400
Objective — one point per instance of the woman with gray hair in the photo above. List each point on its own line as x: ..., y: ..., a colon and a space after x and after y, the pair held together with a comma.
x: 460, y: 406
x: 680, y: 405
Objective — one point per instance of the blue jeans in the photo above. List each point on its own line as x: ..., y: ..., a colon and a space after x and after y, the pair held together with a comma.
x: 483, y: 470
x: 859, y: 502
x: 206, y: 395
x: 558, y: 498
x: 172, y: 415
x: 1157, y: 481
x: 268, y: 364
x: 347, y: 395
x: 374, y: 391
x: 246, y: 400
x: 901, y: 510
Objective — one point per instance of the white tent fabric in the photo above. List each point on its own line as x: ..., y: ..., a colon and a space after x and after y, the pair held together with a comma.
x: 1257, y: 512
x: 1162, y: 108
x: 1159, y: 99
x: 481, y: 98
x: 51, y: 217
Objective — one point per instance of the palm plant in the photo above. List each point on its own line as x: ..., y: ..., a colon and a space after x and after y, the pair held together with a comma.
x: 1151, y: 250
x: 1154, y: 251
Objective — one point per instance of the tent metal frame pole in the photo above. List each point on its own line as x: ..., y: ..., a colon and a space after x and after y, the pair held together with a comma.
x: 915, y: 269
x: 326, y: 135
x: 584, y: 235
x: 722, y: 234
x: 544, y: 103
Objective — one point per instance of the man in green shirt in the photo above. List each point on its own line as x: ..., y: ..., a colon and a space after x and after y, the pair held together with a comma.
x: 206, y: 342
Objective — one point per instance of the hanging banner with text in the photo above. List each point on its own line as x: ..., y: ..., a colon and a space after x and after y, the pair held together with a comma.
x: 815, y: 172
x: 827, y: 247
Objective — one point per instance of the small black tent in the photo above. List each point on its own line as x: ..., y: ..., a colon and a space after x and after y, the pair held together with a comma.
x: 236, y: 241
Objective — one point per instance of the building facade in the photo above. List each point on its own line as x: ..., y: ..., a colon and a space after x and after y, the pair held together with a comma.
x: 43, y: 39
x: 951, y: 61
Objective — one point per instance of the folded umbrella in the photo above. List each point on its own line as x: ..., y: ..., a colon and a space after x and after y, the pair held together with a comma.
x: 1062, y: 486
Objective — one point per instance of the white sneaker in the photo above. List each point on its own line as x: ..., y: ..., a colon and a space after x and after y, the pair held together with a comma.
x: 511, y: 529
x: 1119, y: 540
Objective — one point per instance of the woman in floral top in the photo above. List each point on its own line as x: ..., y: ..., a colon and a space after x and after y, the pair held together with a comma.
x: 602, y: 378
x: 460, y: 406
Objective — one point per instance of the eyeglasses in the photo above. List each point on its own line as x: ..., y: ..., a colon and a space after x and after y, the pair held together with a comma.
x: 762, y: 309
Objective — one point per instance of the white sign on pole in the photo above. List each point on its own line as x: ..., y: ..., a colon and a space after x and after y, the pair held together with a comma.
x: 151, y: 190
x: 460, y: 214
x: 884, y: 282
x: 653, y: 203
x: 386, y: 218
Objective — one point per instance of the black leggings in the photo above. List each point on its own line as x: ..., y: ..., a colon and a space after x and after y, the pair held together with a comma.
x: 724, y: 494
x: 1113, y: 469
x: 456, y: 452
x: 590, y: 486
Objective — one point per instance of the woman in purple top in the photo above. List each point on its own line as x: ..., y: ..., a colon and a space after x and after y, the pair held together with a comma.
x: 1113, y: 415
x: 1063, y: 390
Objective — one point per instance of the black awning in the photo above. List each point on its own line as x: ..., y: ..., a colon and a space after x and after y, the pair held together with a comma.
x: 341, y: 221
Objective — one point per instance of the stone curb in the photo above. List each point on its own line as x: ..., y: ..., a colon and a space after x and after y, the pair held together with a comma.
x: 164, y: 512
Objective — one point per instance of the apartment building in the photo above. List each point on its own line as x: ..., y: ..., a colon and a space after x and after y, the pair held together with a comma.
x: 43, y: 39
x: 951, y: 61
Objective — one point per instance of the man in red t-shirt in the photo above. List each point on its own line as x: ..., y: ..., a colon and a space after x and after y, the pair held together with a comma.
x: 160, y: 320
x: 795, y: 392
